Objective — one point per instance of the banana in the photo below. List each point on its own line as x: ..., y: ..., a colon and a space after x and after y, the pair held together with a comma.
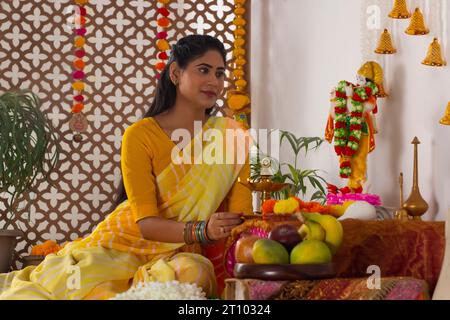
x: 311, y: 230
x: 334, y: 232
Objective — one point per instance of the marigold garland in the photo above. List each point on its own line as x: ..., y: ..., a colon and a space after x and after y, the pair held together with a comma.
x: 293, y: 205
x: 238, y: 99
x: 45, y: 248
x: 163, y: 22
x: 78, y: 74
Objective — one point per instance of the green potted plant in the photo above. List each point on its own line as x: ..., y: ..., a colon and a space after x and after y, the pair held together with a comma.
x: 292, y: 173
x: 28, y: 153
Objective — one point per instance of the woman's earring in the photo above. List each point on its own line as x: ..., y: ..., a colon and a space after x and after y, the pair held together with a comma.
x: 175, y: 82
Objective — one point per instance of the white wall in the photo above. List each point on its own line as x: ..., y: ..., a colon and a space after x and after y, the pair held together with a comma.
x: 301, y: 48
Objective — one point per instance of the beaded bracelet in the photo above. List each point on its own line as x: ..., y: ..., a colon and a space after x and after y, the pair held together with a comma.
x: 195, y: 232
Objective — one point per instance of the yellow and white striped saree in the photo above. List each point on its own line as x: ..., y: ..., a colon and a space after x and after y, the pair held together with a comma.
x: 115, y: 254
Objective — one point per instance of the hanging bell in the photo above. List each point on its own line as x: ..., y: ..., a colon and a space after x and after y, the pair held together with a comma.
x: 446, y: 119
x: 434, y: 55
x: 385, y: 45
x: 400, y: 10
x: 417, y: 24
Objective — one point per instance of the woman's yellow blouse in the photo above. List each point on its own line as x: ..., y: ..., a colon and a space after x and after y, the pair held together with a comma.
x: 146, y: 151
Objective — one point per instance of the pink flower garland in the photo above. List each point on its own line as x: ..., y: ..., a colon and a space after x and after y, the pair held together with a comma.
x: 333, y: 199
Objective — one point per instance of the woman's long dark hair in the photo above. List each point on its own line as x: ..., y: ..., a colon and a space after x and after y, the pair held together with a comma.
x: 186, y: 50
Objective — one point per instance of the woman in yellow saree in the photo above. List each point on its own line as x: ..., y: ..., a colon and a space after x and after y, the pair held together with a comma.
x: 168, y: 209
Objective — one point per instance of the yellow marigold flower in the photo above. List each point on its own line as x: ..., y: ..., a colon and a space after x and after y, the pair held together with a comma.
x: 241, y: 62
x: 162, y: 45
x: 240, y: 22
x: 238, y: 101
x: 79, y: 42
x: 286, y: 206
x: 238, y: 52
x: 241, y: 83
x: 239, y: 11
x: 239, y: 42
x: 79, y: 86
x: 239, y: 32
x: 238, y: 73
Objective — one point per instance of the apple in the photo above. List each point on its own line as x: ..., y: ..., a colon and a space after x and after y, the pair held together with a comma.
x: 286, y: 234
x: 244, y: 247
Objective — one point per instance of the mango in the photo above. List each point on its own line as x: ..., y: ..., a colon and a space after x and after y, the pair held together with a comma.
x: 310, y: 252
x: 266, y: 251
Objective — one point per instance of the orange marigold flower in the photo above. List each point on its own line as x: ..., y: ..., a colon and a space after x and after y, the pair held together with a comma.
x: 78, y: 63
x: 45, y: 248
x: 160, y: 66
x: 163, y: 22
x: 78, y: 107
x: 268, y: 205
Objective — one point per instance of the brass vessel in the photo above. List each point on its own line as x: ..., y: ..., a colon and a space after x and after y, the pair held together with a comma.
x: 265, y: 184
x: 415, y: 204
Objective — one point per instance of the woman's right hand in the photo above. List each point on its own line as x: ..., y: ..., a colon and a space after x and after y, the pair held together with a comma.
x: 220, y: 224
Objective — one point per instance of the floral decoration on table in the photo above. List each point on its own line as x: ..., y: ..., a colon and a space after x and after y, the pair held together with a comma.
x: 294, y: 205
x: 162, y: 44
x: 338, y: 199
x: 45, y: 248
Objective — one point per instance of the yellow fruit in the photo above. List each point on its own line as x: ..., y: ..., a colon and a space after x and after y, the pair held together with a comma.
x: 334, y: 232
x: 339, y: 209
x: 311, y: 230
x: 161, y: 271
x: 311, y: 252
x: 267, y: 251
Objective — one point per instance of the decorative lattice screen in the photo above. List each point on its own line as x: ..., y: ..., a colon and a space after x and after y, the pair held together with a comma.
x: 36, y: 53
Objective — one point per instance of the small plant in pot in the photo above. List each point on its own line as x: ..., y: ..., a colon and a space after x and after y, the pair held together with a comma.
x: 28, y: 153
x: 298, y: 178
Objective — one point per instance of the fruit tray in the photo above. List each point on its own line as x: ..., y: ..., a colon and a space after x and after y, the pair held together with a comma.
x: 279, y: 272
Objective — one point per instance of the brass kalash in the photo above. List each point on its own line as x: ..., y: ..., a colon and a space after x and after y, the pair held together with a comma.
x: 264, y: 184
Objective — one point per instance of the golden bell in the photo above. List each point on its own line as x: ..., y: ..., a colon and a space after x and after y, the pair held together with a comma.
x: 385, y: 45
x: 400, y: 10
x: 434, y: 55
x: 417, y: 24
x: 446, y: 119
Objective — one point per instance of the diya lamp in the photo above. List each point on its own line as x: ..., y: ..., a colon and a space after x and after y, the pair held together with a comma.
x: 264, y: 184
